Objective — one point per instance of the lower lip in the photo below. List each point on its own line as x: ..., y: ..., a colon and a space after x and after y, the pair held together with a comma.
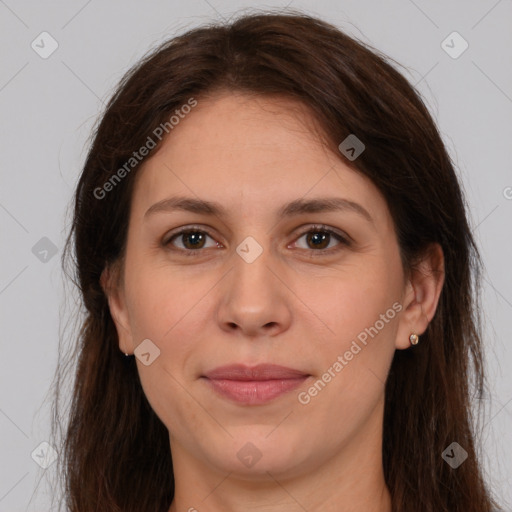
x: 255, y: 391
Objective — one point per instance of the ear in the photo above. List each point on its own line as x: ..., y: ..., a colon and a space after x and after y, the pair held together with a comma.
x: 114, y: 290
x: 421, y: 295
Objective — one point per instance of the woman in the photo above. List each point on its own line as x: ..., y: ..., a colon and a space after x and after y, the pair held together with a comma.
x: 272, y: 247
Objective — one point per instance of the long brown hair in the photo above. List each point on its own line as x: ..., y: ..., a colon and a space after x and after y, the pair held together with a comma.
x: 115, y: 455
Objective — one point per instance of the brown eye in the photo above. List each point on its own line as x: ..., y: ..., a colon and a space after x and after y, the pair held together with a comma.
x: 193, y: 239
x: 321, y: 239
x: 190, y: 241
x: 318, y: 239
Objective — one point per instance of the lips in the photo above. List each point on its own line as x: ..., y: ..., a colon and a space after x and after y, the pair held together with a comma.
x: 255, y: 373
x: 254, y: 385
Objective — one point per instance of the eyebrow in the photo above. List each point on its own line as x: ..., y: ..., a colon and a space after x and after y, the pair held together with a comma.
x: 296, y: 207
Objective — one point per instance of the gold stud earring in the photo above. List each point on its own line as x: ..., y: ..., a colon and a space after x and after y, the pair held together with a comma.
x: 414, y: 338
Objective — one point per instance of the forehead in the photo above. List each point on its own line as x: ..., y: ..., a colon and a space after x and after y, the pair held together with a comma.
x: 242, y: 149
x: 237, y: 122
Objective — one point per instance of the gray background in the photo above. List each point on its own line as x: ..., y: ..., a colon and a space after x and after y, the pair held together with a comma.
x: 48, y: 107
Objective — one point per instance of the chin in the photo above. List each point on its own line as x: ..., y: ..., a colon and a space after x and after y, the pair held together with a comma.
x: 252, y: 454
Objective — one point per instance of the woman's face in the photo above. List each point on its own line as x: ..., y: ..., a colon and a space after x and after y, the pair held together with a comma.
x: 260, y: 282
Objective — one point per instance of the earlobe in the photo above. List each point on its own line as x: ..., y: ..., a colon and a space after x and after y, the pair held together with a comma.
x: 110, y: 284
x: 424, y: 287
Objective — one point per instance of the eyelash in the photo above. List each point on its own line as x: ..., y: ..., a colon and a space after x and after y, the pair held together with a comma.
x: 344, y: 241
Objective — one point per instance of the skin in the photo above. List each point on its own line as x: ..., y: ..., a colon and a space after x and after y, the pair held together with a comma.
x: 290, y: 306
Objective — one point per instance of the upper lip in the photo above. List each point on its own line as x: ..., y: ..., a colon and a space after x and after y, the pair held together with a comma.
x: 251, y: 373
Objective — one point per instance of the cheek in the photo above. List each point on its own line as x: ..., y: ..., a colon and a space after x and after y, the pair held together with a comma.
x: 354, y: 359
x: 166, y: 309
x: 160, y: 302
x: 361, y: 309
x: 352, y: 300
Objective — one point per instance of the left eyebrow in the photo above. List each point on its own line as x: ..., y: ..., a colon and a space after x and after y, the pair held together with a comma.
x: 297, y: 207
x: 327, y: 204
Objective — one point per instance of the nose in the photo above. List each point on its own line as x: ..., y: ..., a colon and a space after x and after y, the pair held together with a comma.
x: 255, y: 300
